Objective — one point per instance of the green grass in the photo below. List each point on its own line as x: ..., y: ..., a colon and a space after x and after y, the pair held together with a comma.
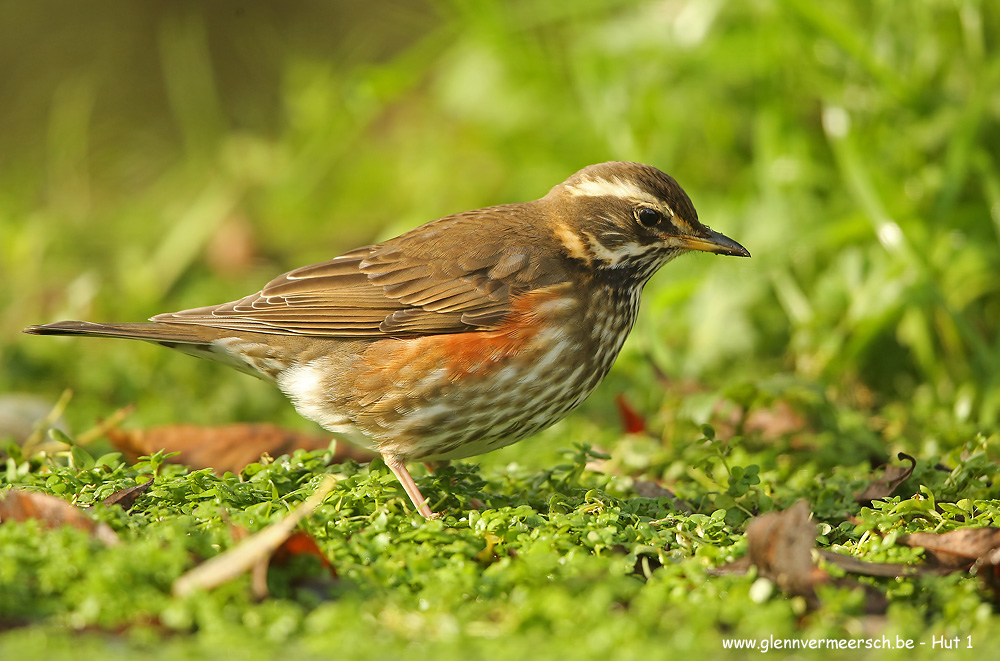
x: 852, y: 147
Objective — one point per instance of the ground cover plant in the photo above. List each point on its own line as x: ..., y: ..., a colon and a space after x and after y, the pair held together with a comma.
x: 833, y: 397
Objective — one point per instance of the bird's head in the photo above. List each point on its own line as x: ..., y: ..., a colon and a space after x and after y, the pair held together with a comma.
x: 630, y: 216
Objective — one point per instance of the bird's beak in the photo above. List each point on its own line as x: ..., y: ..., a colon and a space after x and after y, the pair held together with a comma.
x: 712, y: 241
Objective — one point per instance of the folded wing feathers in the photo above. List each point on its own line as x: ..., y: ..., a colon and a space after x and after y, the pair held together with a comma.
x: 374, y: 291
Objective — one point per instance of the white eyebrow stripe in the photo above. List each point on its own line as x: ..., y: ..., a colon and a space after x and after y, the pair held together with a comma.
x: 628, y: 191
x: 615, y: 187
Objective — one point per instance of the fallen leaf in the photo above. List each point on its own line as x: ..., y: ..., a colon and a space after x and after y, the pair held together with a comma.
x: 976, y: 550
x: 886, y: 485
x: 52, y: 512
x: 225, y: 448
x: 125, y: 498
x: 780, y: 545
x: 249, y: 552
x: 957, y: 549
x: 300, y: 543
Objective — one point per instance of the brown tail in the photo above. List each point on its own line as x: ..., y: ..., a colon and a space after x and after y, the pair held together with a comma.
x: 168, y: 334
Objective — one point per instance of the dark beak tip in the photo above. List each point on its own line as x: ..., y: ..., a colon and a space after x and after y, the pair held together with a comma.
x: 726, y: 246
x: 734, y: 252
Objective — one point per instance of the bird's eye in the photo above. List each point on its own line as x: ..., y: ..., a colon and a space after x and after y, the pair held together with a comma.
x: 648, y: 216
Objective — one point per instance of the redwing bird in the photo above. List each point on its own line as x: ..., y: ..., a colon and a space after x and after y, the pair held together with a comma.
x: 461, y: 336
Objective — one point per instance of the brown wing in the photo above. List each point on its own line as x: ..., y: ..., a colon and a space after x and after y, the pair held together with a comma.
x: 449, y: 276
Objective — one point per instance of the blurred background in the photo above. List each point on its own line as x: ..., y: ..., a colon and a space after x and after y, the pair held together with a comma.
x: 156, y: 156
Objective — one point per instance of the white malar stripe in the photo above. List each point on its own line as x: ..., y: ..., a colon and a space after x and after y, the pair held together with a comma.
x: 616, y: 187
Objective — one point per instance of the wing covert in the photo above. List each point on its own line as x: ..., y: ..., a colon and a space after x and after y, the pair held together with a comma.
x: 402, y: 287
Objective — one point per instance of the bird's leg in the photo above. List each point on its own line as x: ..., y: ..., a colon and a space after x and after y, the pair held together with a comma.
x: 398, y: 469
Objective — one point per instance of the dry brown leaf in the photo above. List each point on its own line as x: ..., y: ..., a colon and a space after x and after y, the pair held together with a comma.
x: 226, y: 448
x: 52, y: 512
x: 957, y: 549
x: 976, y: 550
x: 780, y: 545
x: 125, y: 498
x: 886, y: 485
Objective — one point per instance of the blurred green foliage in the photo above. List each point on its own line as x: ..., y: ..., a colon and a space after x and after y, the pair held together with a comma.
x: 165, y: 156
x: 158, y: 156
